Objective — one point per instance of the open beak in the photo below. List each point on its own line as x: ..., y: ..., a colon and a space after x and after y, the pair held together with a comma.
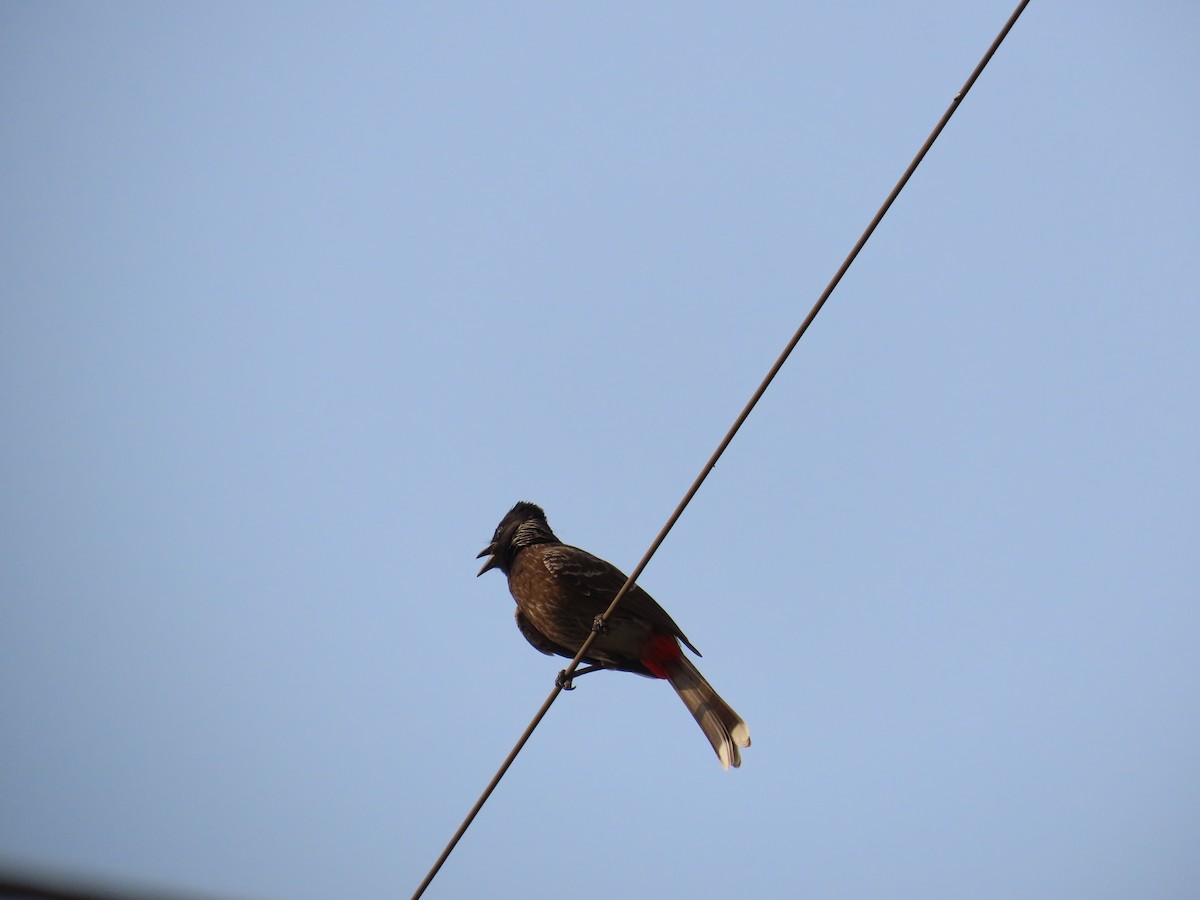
x: 491, y: 563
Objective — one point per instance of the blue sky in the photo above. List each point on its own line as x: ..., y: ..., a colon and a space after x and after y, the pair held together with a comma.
x: 298, y: 300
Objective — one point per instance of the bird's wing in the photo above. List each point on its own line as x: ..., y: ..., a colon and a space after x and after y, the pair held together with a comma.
x: 591, y: 576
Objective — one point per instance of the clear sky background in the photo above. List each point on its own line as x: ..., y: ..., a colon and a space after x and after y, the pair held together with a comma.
x: 298, y: 300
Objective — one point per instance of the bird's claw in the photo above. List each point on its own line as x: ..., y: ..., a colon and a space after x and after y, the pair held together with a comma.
x: 568, y: 684
x: 599, y: 625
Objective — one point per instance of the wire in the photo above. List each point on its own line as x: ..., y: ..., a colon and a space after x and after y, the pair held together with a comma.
x: 565, y: 678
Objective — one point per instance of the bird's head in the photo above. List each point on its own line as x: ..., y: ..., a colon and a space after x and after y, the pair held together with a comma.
x: 523, y: 526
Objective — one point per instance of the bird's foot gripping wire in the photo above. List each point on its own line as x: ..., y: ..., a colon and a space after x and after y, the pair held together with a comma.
x: 599, y: 625
x: 568, y: 684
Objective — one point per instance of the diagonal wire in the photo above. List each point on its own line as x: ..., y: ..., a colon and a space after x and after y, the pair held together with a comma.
x: 725, y: 441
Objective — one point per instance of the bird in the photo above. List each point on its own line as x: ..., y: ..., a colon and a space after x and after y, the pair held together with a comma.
x: 562, y: 593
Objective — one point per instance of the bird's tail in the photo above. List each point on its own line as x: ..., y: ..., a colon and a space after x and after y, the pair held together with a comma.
x: 722, y: 726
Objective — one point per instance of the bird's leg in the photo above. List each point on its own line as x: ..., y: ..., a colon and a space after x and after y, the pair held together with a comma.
x: 567, y: 684
x: 600, y: 627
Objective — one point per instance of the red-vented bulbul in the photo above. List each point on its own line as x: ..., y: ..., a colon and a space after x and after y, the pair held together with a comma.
x: 561, y: 590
